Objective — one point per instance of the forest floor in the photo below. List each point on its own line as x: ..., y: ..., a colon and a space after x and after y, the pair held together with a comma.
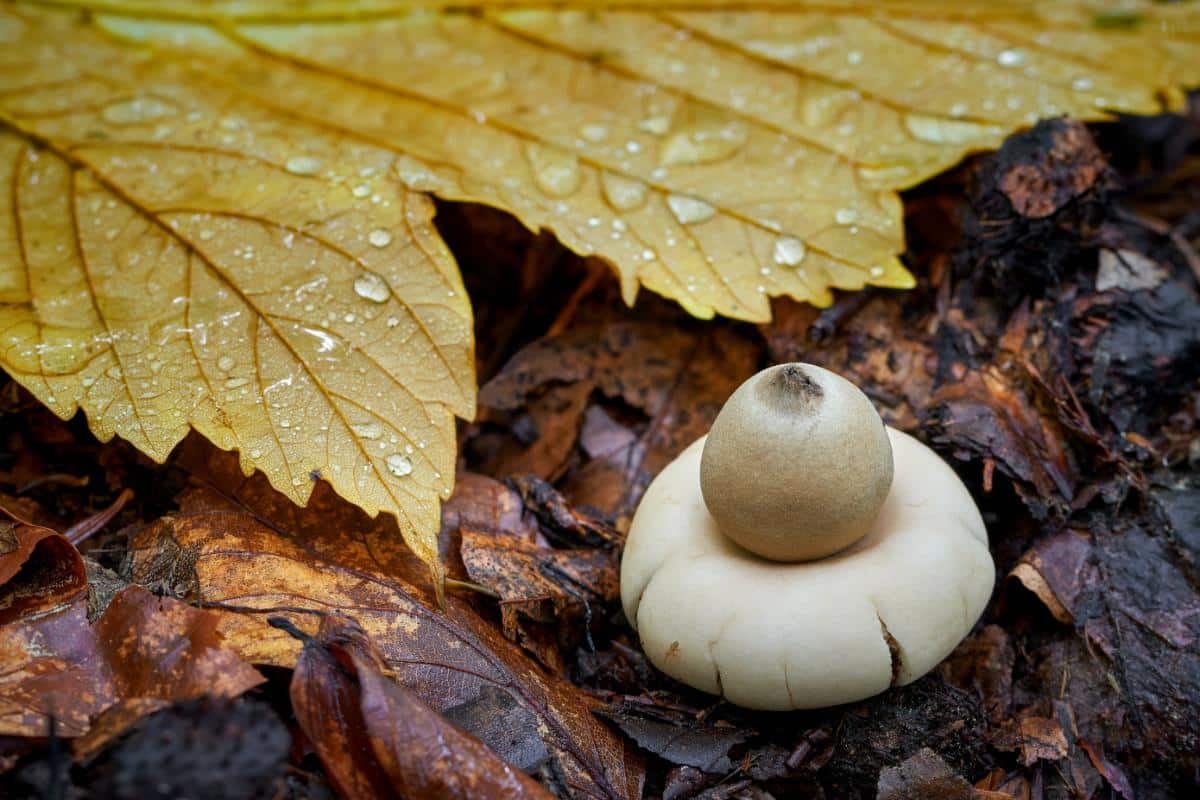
x: 1051, y: 353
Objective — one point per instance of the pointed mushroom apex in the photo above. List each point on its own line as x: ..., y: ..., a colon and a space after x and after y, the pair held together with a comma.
x: 797, y: 464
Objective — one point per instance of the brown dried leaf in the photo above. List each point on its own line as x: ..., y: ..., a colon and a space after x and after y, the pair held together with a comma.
x: 1056, y: 569
x: 280, y: 560
x: 377, y: 739
x: 144, y: 648
x: 1042, y: 738
x: 541, y: 584
x: 923, y: 776
x: 679, y: 738
x: 677, y: 377
x: 990, y: 415
x: 40, y: 571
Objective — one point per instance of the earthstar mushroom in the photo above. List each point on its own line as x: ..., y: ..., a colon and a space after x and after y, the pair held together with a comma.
x: 798, y: 465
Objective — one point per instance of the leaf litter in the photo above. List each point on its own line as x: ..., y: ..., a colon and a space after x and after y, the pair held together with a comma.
x: 1069, y: 405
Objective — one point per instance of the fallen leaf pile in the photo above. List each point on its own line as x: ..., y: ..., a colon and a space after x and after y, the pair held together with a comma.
x: 217, y: 214
x: 218, y: 210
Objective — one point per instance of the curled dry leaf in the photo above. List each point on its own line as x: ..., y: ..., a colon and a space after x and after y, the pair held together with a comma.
x: 40, y: 571
x: 145, y: 652
x: 377, y: 739
x: 280, y: 560
x: 545, y: 585
x: 1056, y: 570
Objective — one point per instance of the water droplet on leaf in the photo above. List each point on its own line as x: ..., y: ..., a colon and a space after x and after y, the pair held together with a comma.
x: 789, y: 251
x: 555, y: 171
x: 373, y: 287
x: 704, y: 145
x: 623, y: 194
x: 138, y: 110
x: 303, y: 165
x: 1010, y: 58
x: 399, y: 464
x: 690, y: 210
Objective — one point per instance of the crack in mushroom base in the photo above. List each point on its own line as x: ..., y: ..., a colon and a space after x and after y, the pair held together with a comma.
x: 778, y: 636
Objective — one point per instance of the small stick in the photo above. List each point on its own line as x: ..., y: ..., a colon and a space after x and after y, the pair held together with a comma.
x: 85, y: 528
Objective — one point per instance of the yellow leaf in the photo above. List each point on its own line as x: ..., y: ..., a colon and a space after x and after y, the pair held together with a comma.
x: 174, y: 255
x: 716, y: 156
x: 717, y: 153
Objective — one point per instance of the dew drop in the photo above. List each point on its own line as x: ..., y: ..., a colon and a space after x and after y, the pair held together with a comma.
x: 555, y: 171
x: 206, y: 234
x: 656, y: 125
x: 877, y: 271
x: 399, y: 464
x: 1010, y: 58
x: 940, y: 130
x: 594, y: 132
x: 138, y: 110
x: 690, y: 210
x: 393, y: 322
x: 303, y: 165
x: 854, y: 57
x: 256, y: 453
x: 371, y: 286
x: 362, y: 190
x: 789, y: 251
x: 236, y: 383
x: 1082, y: 84
x: 225, y: 363
x: 367, y: 430
x: 845, y: 216
x: 704, y: 145
x: 623, y: 194
x: 417, y: 176
x: 379, y: 237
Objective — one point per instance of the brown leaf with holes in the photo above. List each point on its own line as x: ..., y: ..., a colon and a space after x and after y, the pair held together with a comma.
x: 378, y: 739
x: 143, y: 653
x: 242, y: 549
